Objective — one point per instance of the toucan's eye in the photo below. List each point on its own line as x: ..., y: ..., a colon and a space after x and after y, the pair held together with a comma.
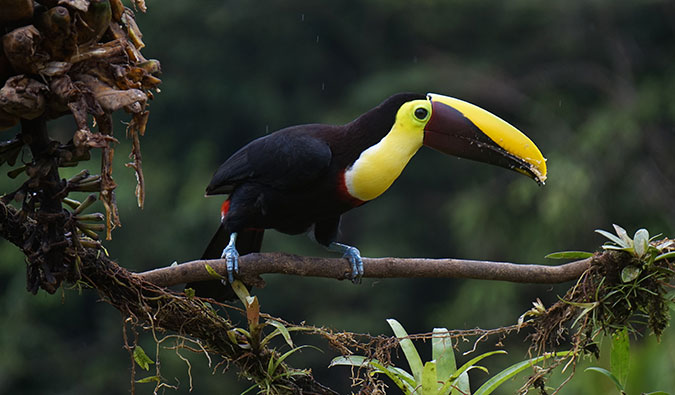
x: 421, y: 113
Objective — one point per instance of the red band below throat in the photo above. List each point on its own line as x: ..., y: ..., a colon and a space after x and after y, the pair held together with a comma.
x: 224, y: 209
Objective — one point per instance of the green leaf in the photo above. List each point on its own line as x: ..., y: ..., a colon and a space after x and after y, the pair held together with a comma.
x: 249, y: 389
x: 667, y: 255
x: 280, y: 329
x: 242, y: 293
x: 656, y: 393
x: 606, y: 373
x: 142, y: 358
x: 408, y: 348
x: 213, y: 272
x: 619, y: 357
x: 470, y: 365
x: 429, y: 381
x: 462, y: 385
x: 621, y: 232
x: 500, y: 378
x: 149, y: 379
x: 630, y: 273
x: 400, y: 377
x: 273, y: 367
x: 569, y: 255
x: 400, y: 373
x: 641, y: 242
x: 618, y: 241
x: 443, y: 353
x: 618, y: 248
x: 349, y: 360
x: 664, y: 245
x: 587, y: 308
x: 189, y: 292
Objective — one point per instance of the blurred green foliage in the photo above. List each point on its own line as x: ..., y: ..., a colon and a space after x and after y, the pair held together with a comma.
x: 591, y: 83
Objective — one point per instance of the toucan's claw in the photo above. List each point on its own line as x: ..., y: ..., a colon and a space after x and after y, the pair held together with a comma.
x: 231, y: 256
x: 353, y: 255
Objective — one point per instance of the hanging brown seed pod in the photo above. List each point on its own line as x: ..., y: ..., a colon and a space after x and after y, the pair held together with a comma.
x: 55, y: 26
x: 23, y: 97
x: 55, y: 69
x: 151, y: 66
x: 54, y: 21
x: 111, y: 99
x: 94, y: 22
x: 116, y: 32
x: 140, y: 4
x: 80, y: 5
x: 117, y: 9
x: 105, y: 77
x: 150, y: 82
x: 15, y: 10
x: 22, y: 50
x: 63, y: 92
x: 86, y: 139
x: 112, y: 52
x: 134, y: 33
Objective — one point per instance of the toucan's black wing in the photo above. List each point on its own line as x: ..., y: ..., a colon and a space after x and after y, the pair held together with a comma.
x: 286, y: 159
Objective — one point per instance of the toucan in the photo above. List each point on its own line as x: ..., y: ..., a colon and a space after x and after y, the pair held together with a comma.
x: 301, y: 179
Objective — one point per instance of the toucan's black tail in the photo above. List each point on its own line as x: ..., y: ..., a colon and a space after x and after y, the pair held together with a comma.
x: 248, y: 241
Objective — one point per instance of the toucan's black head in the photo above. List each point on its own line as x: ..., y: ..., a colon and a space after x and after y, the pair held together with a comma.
x: 379, y: 121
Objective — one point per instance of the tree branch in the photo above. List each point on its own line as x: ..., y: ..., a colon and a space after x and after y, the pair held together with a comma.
x: 253, y: 265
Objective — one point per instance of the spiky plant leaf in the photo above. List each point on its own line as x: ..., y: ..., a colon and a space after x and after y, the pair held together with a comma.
x: 408, y: 348
x: 500, y: 378
x: 621, y: 232
x: 608, y: 374
x: 641, y: 242
x: 616, y: 240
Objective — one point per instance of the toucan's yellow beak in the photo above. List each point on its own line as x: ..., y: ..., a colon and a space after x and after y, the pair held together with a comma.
x: 462, y: 129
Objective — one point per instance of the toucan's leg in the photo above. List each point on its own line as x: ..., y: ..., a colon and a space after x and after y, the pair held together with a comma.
x: 231, y: 255
x: 354, y: 257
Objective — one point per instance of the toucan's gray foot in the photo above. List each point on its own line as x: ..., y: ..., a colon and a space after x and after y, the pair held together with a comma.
x: 231, y: 255
x: 353, y: 255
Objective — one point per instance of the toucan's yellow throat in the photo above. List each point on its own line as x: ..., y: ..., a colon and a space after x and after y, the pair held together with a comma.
x: 380, y: 165
x: 451, y: 126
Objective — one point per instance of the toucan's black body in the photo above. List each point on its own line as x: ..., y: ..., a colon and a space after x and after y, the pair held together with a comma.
x: 293, y: 180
